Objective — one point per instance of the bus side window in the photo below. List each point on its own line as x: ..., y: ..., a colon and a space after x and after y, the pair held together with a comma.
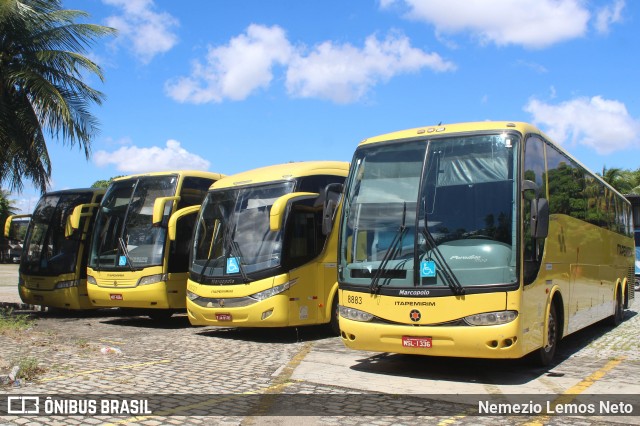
x: 534, y: 170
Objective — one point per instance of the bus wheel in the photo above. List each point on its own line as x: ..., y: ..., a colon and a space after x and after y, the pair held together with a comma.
x: 335, y: 326
x: 546, y: 353
x: 618, y: 314
x: 160, y: 314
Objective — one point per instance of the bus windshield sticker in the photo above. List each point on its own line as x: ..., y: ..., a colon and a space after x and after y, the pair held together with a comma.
x: 427, y: 268
x: 232, y: 265
x: 122, y: 261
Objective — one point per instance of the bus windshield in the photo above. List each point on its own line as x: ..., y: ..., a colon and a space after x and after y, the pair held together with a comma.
x: 123, y: 235
x: 46, y: 250
x: 232, y: 236
x: 415, y: 210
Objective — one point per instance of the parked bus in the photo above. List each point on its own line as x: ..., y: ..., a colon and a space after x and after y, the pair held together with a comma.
x: 635, y: 208
x: 53, y: 265
x: 261, y: 255
x: 132, y: 263
x: 478, y: 240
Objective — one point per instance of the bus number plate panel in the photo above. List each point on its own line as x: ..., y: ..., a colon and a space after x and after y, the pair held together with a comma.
x: 223, y: 317
x: 115, y: 296
x: 416, y: 342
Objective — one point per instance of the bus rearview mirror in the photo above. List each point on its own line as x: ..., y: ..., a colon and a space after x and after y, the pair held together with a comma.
x: 159, y: 209
x: 332, y: 194
x: 73, y: 220
x: 539, y: 218
x: 9, y: 221
x: 279, y: 207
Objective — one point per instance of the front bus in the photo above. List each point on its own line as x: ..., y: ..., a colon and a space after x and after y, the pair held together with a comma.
x: 264, y: 249
x: 444, y: 251
x: 53, y: 265
x: 132, y: 263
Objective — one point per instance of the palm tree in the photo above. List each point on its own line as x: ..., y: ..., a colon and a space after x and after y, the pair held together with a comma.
x: 617, y: 178
x: 42, y: 91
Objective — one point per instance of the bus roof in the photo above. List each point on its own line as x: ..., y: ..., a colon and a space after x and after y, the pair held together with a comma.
x: 74, y: 191
x: 285, y: 171
x: 194, y: 173
x: 444, y: 129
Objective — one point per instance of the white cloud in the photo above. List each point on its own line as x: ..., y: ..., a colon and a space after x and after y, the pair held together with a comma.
x: 601, y: 124
x: 146, y: 32
x: 341, y: 73
x: 236, y: 70
x: 608, y: 15
x: 132, y: 159
x: 530, y: 23
x: 345, y: 73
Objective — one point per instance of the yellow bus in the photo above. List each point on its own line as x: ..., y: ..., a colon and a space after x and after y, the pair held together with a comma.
x: 53, y: 265
x: 262, y: 252
x: 478, y: 240
x: 132, y: 262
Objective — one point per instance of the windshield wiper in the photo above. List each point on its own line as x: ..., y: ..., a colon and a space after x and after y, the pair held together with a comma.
x: 445, y: 270
x: 391, y: 252
x: 123, y: 249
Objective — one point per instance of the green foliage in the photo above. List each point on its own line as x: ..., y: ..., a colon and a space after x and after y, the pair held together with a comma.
x: 42, y: 89
x: 104, y: 183
x: 10, y: 321
x: 29, y: 369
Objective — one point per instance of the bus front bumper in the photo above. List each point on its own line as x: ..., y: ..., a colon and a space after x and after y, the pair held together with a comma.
x: 63, y: 298
x: 148, y: 296
x: 271, y: 312
x: 496, y: 341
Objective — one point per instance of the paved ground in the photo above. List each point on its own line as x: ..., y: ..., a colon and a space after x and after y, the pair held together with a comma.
x: 189, y: 375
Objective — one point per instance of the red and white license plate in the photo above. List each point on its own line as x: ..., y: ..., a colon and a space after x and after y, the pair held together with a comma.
x: 416, y: 342
x: 115, y: 296
x: 223, y: 317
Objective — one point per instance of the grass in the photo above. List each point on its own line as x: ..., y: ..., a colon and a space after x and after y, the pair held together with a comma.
x: 10, y: 321
x: 29, y: 369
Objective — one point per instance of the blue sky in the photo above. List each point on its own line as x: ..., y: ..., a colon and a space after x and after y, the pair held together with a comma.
x: 232, y: 85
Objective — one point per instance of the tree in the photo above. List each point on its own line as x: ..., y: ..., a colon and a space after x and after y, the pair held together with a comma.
x: 104, y: 183
x: 42, y: 91
x: 618, y: 178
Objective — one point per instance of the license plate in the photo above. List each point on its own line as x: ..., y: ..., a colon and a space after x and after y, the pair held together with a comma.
x: 223, y: 317
x: 115, y: 296
x: 416, y: 342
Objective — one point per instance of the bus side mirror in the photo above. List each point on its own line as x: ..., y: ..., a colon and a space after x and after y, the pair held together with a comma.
x: 332, y: 194
x: 279, y: 207
x: 73, y: 220
x: 539, y: 218
x: 539, y: 224
x: 9, y: 221
x: 160, y: 211
x: 173, y: 220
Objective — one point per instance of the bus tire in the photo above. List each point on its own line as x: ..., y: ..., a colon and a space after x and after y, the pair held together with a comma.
x: 334, y: 322
x: 618, y: 313
x: 546, y: 353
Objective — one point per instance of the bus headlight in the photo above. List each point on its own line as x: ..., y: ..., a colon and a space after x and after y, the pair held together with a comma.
x: 491, y: 318
x: 354, y: 314
x: 270, y: 292
x: 152, y: 279
x: 91, y: 280
x: 66, y: 284
x: 191, y: 295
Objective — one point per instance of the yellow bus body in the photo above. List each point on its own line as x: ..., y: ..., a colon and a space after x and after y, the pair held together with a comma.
x: 310, y: 298
x: 583, y: 268
x: 164, y: 290
x: 64, y: 291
